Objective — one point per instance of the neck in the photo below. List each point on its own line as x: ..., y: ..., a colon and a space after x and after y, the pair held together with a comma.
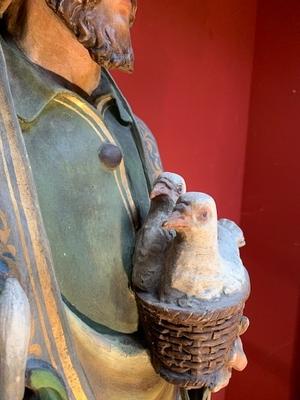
x: 204, y: 242
x: 46, y: 41
x: 165, y: 207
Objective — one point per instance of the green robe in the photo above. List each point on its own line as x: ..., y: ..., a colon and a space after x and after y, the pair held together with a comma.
x: 91, y: 211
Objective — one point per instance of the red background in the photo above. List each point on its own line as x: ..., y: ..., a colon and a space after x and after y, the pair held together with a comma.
x: 218, y: 82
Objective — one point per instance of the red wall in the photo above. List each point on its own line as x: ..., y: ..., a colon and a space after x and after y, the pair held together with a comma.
x: 271, y: 209
x: 191, y: 86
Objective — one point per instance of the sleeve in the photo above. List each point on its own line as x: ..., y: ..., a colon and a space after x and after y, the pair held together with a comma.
x: 152, y: 156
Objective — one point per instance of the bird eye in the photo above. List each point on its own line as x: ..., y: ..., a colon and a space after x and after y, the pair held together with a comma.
x: 179, y: 207
x: 203, y: 215
x: 179, y: 189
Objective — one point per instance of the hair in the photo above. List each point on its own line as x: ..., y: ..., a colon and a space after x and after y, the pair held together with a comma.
x: 133, y: 12
x: 56, y: 5
x: 4, y: 4
x: 12, y: 15
x: 78, y: 17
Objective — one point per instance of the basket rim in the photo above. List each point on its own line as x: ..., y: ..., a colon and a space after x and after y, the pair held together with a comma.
x: 223, y: 307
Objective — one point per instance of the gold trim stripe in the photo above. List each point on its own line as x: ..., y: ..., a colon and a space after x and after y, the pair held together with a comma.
x: 131, y: 211
x: 26, y: 256
x: 45, y: 280
x: 103, y: 101
x: 100, y: 123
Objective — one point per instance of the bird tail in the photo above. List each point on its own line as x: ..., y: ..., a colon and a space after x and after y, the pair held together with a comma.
x: 235, y: 231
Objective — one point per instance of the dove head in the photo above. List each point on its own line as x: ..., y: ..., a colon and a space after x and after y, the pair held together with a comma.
x: 195, y: 214
x: 169, y: 186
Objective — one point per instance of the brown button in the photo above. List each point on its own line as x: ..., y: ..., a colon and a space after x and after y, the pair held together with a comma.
x: 110, y: 155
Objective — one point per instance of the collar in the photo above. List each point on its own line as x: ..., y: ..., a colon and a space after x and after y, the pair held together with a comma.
x: 108, y: 89
x: 33, y: 87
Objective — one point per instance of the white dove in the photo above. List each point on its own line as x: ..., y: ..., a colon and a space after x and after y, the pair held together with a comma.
x: 199, y: 265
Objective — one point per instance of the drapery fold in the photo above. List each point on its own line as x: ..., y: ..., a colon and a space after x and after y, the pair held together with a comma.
x: 22, y: 227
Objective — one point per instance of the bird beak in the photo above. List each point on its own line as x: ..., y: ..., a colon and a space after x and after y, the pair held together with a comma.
x: 160, y: 189
x: 176, y: 221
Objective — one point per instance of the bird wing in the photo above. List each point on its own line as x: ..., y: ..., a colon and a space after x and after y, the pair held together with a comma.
x: 230, y: 237
x: 152, y: 241
x: 233, y: 229
x: 149, y: 257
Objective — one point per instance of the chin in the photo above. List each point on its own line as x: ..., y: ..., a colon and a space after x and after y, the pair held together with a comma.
x: 111, y: 46
x: 112, y: 60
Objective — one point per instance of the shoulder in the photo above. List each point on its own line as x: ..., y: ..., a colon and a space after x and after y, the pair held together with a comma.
x: 32, y: 87
x: 153, y: 161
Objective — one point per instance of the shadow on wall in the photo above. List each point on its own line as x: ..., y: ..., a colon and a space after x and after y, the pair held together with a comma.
x: 296, y: 363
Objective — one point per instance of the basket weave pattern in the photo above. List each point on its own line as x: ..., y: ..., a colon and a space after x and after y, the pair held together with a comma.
x: 189, y: 348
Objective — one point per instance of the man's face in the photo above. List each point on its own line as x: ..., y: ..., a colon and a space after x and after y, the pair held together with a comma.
x: 102, y: 27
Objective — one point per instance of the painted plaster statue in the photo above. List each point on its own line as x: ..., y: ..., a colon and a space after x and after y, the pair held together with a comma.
x: 76, y: 171
x: 152, y: 240
x: 193, y: 315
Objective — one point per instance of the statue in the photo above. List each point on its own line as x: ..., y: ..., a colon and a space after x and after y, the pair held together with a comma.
x: 76, y: 170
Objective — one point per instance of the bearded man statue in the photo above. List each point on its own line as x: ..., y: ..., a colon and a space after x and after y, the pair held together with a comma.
x: 75, y: 173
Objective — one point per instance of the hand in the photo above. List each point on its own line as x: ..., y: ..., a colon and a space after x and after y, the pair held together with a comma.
x: 237, y: 359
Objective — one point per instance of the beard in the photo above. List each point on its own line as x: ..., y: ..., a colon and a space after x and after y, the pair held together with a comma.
x: 104, y: 33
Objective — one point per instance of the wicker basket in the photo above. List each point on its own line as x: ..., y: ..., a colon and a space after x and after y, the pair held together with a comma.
x: 188, y: 347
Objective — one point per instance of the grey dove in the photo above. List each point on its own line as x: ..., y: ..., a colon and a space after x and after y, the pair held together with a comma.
x: 203, y: 260
x: 153, y: 239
